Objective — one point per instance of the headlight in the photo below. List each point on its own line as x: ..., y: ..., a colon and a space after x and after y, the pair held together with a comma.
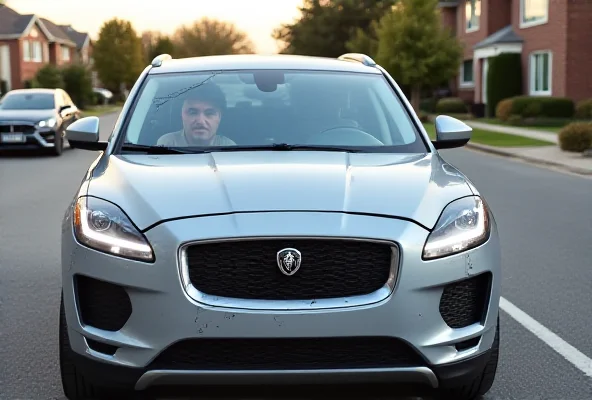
x: 464, y: 224
x: 103, y: 226
x: 50, y: 123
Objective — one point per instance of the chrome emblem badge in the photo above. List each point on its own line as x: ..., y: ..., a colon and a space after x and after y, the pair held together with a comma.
x: 288, y: 260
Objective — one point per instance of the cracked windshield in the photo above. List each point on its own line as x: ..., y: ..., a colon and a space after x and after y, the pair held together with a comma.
x: 296, y: 199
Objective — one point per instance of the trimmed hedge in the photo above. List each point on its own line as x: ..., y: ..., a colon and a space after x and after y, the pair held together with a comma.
x: 504, y: 79
x: 534, y: 106
x: 576, y: 137
x: 451, y: 105
x: 584, y: 109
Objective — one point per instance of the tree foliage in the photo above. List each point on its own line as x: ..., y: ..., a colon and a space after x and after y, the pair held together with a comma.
x: 415, y: 48
x: 49, y: 77
x: 209, y: 36
x: 78, y: 84
x: 156, y: 43
x: 326, y: 26
x: 118, y: 54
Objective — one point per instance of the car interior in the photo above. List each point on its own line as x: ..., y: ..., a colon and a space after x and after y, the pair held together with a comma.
x: 297, y: 110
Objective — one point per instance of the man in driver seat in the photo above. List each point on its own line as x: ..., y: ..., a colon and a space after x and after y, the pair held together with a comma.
x: 201, y: 114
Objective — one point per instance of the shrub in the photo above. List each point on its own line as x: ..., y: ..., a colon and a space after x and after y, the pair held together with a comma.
x: 576, y: 137
x: 535, y: 107
x: 78, y: 84
x: 48, y: 77
x: 428, y: 105
x: 550, y: 107
x: 451, y: 105
x: 504, y: 109
x: 504, y: 79
x: 584, y: 109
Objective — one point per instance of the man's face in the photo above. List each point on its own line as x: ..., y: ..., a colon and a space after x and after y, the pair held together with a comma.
x: 200, y: 120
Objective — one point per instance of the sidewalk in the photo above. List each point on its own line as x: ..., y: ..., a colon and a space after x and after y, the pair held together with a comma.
x: 513, y: 130
x: 542, y: 155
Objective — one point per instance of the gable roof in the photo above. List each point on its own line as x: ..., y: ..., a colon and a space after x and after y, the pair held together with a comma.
x: 13, y: 24
x: 504, y: 35
x: 80, y: 38
x: 56, y: 34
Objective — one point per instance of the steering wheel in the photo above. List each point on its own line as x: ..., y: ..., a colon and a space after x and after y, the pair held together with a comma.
x: 344, y: 136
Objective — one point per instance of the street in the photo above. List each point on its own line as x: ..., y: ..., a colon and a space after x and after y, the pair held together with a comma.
x: 544, y: 217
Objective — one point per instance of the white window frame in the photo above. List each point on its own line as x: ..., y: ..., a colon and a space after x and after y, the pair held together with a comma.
x: 532, y: 73
x: 478, y: 17
x: 65, y: 53
x: 536, y: 22
x: 26, y: 50
x: 37, y: 52
x: 462, y: 82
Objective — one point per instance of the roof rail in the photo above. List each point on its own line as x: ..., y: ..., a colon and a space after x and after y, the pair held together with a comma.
x: 358, y: 57
x: 157, y: 62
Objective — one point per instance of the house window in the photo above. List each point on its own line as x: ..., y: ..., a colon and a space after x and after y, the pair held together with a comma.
x: 540, y: 73
x: 533, y: 12
x: 466, y: 74
x: 472, y: 15
x: 37, y: 52
x: 65, y: 53
x: 26, y: 50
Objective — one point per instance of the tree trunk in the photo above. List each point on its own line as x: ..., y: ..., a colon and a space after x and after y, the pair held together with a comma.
x: 415, y: 97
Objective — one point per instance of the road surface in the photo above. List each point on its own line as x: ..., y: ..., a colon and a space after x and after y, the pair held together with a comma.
x: 545, y: 219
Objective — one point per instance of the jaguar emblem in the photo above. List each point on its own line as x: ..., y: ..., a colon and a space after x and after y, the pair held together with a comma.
x: 288, y: 260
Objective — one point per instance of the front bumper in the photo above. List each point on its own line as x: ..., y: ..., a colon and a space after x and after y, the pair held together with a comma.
x: 164, y: 311
x: 32, y: 136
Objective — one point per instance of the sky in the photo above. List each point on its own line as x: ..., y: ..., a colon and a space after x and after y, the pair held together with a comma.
x: 257, y: 18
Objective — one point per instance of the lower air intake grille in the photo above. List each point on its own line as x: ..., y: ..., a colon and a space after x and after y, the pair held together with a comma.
x: 102, y: 305
x: 282, y: 354
x: 464, y: 303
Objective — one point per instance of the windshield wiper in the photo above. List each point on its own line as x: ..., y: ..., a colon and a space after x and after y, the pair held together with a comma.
x: 140, y: 148
x: 284, y: 147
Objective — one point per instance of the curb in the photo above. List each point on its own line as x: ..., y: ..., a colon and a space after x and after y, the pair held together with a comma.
x: 532, y: 160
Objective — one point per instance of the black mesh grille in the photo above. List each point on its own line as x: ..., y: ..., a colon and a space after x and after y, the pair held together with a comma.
x: 17, y: 129
x: 463, y: 303
x: 102, y: 305
x: 282, y: 354
x: 248, y: 269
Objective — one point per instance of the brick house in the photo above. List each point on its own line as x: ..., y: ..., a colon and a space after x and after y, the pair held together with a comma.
x: 28, y: 42
x: 555, y: 44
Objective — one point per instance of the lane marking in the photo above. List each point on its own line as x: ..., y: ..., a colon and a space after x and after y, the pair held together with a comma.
x: 570, y: 353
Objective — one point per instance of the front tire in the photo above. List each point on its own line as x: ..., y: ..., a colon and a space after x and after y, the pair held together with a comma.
x: 77, y: 386
x: 482, y: 383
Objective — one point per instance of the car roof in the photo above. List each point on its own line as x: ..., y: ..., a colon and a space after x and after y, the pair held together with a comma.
x: 32, y: 91
x: 255, y: 61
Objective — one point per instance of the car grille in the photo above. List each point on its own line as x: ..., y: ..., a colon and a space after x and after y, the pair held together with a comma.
x: 330, y: 268
x: 22, y: 128
x: 288, y: 353
x: 102, y: 305
x: 464, y: 303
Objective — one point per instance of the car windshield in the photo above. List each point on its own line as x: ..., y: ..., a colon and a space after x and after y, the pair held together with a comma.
x: 285, y: 110
x: 27, y: 101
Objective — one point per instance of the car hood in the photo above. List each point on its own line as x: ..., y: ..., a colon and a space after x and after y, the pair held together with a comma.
x: 152, y: 188
x: 33, y: 116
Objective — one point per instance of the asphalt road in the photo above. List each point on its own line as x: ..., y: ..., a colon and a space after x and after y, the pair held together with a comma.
x: 545, y: 219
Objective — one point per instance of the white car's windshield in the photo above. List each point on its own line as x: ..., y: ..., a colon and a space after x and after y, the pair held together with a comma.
x: 27, y: 101
x: 232, y: 110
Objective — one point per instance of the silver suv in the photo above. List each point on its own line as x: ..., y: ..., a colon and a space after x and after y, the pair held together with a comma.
x: 276, y: 220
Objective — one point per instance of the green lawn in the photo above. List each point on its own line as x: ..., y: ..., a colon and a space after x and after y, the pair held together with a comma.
x: 494, y: 138
x: 553, y: 125
x: 99, y: 110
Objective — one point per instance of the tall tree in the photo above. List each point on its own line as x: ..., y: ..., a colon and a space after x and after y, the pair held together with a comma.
x: 209, y: 36
x: 118, y: 54
x: 415, y: 48
x: 156, y: 43
x: 325, y: 26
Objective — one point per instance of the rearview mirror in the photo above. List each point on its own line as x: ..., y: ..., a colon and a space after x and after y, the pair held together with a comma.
x: 451, y: 132
x: 84, y: 134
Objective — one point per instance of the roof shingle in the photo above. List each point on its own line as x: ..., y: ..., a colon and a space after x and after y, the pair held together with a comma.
x: 13, y: 23
x: 504, y: 35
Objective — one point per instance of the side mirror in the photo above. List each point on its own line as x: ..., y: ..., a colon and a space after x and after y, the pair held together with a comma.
x: 451, y: 133
x: 84, y: 134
